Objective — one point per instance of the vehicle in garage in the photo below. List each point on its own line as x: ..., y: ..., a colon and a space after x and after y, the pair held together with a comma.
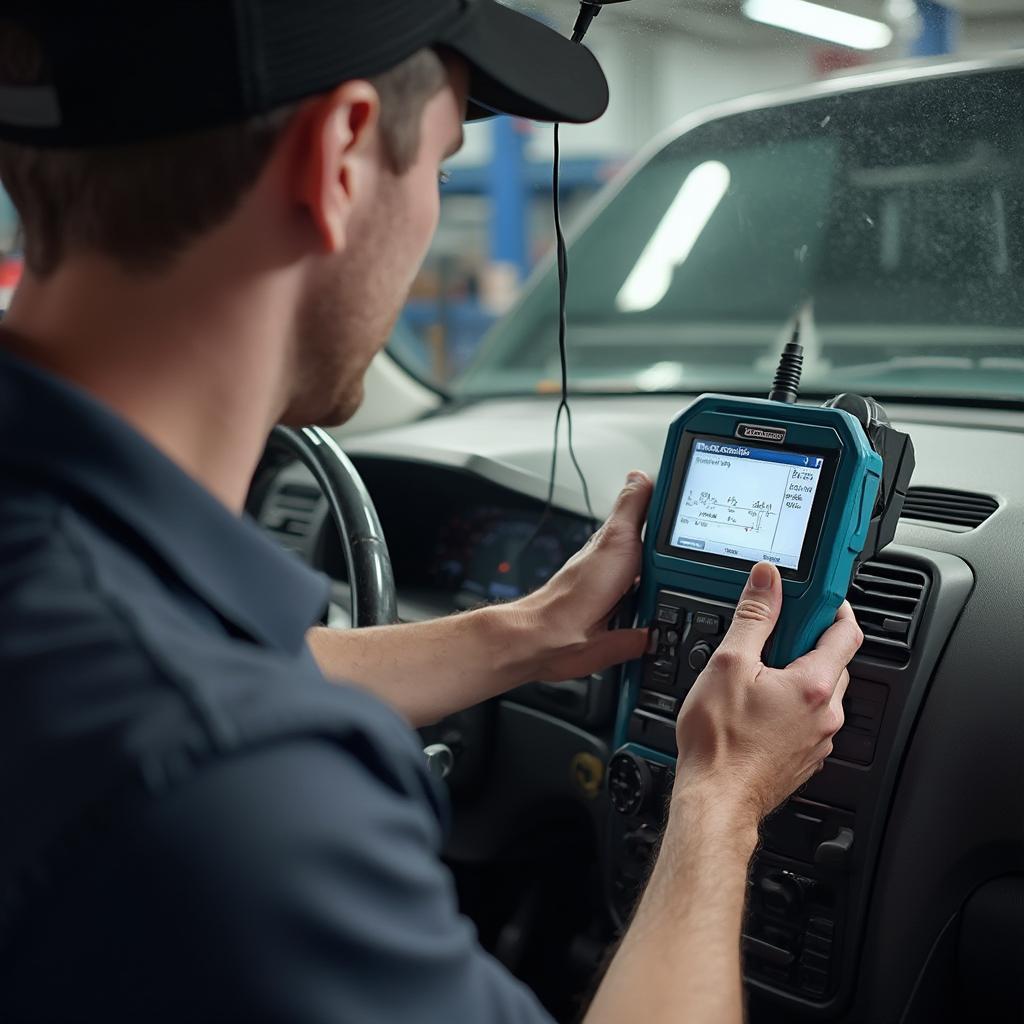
x: 888, y: 208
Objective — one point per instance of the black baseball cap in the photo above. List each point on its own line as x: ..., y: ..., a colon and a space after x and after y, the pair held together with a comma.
x: 120, y: 71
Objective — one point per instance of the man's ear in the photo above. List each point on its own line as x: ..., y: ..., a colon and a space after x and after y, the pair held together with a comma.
x: 334, y: 157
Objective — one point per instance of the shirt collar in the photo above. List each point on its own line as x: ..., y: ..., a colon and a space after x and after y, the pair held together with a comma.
x: 53, y: 430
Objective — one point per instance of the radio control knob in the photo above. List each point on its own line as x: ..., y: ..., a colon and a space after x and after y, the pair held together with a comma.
x: 700, y: 655
x: 638, y: 848
x: 629, y: 782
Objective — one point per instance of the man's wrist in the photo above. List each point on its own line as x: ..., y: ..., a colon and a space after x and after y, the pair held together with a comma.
x: 708, y: 843
x: 723, y: 815
x: 515, y: 642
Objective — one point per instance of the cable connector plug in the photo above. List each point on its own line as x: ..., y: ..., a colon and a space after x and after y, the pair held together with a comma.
x: 786, y: 386
x: 589, y: 10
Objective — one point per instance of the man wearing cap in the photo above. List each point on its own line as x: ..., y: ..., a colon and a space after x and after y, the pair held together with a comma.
x: 224, y: 204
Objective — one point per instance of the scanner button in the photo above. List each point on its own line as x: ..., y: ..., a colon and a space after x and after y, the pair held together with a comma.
x: 668, y: 614
x: 705, y: 622
x: 700, y: 655
x: 651, y: 701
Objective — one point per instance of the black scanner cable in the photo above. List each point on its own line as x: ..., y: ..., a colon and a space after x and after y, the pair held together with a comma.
x: 562, y: 260
x: 588, y: 11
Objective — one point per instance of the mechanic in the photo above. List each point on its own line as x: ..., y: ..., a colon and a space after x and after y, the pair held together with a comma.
x: 224, y: 205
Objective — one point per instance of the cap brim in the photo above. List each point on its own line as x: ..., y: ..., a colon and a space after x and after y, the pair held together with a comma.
x: 520, y: 66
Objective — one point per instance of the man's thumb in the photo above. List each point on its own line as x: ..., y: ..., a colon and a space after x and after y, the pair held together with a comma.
x: 757, y: 611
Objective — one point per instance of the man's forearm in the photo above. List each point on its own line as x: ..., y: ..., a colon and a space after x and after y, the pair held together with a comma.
x: 427, y: 670
x: 680, y: 958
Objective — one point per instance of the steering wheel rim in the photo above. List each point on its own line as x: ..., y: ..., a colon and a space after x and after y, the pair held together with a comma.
x: 371, y: 578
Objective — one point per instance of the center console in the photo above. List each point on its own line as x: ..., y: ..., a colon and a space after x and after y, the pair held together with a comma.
x: 810, y: 882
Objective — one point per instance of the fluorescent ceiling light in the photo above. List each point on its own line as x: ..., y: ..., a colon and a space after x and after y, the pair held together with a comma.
x: 821, y: 22
x: 697, y: 199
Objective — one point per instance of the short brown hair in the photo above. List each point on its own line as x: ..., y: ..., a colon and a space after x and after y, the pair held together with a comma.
x: 142, y: 204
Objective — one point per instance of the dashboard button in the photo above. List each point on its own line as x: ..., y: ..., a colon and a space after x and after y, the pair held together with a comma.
x: 629, y: 780
x: 818, y: 944
x: 652, y: 731
x: 813, y: 981
x: 854, y: 746
x: 766, y: 951
x: 780, y: 893
x: 814, y: 960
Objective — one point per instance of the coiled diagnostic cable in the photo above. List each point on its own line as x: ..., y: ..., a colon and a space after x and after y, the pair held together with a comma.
x: 589, y: 9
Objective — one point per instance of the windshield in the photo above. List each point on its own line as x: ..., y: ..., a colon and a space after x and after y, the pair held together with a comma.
x: 891, y: 220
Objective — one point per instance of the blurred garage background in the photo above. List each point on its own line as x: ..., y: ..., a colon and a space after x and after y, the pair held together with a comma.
x: 665, y: 59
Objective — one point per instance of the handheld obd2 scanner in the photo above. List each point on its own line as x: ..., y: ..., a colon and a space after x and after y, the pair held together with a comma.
x: 813, y: 490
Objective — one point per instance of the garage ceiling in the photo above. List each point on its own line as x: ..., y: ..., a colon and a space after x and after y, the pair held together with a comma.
x: 721, y: 20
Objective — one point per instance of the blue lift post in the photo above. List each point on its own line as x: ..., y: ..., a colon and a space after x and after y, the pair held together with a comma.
x: 939, y: 27
x: 509, y: 193
x: 510, y: 182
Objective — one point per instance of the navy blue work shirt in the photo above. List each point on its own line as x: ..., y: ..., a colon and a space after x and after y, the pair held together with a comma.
x: 194, y: 824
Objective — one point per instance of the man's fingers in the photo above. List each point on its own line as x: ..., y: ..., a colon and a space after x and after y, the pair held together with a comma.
x: 846, y: 613
x: 834, y: 651
x: 756, y: 613
x: 840, y: 691
x: 612, y: 647
x: 631, y: 505
x: 835, y: 705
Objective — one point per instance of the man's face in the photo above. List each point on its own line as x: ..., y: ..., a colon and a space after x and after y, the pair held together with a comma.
x: 355, y: 297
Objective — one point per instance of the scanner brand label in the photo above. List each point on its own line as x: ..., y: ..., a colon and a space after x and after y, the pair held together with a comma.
x: 758, y: 432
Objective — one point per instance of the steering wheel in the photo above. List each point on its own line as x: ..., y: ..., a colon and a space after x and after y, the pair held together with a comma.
x: 371, y: 579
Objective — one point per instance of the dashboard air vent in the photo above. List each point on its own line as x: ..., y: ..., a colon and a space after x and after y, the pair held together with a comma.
x: 953, y: 508
x: 290, y: 513
x: 888, y: 600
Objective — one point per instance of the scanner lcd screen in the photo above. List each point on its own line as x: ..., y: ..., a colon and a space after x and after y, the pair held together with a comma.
x: 750, y: 504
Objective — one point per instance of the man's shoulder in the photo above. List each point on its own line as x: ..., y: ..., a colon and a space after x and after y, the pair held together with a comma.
x: 62, y: 617
x: 94, y: 626
x: 50, y: 603
x: 115, y: 679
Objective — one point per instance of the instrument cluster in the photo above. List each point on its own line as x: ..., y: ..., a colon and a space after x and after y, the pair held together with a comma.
x: 489, y: 554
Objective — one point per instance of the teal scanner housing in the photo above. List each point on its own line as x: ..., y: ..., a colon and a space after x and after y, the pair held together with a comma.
x: 743, y: 480
x: 816, y: 491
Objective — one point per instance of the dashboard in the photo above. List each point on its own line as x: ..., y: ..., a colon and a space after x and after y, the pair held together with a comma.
x: 456, y: 541
x: 491, y: 553
x: 894, y: 919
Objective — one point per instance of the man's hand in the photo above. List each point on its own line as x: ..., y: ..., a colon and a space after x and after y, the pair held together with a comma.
x: 748, y: 736
x: 427, y: 670
x: 754, y: 734
x: 569, y: 615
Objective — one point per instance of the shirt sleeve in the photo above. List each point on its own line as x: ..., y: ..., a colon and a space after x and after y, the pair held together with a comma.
x: 289, y: 884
